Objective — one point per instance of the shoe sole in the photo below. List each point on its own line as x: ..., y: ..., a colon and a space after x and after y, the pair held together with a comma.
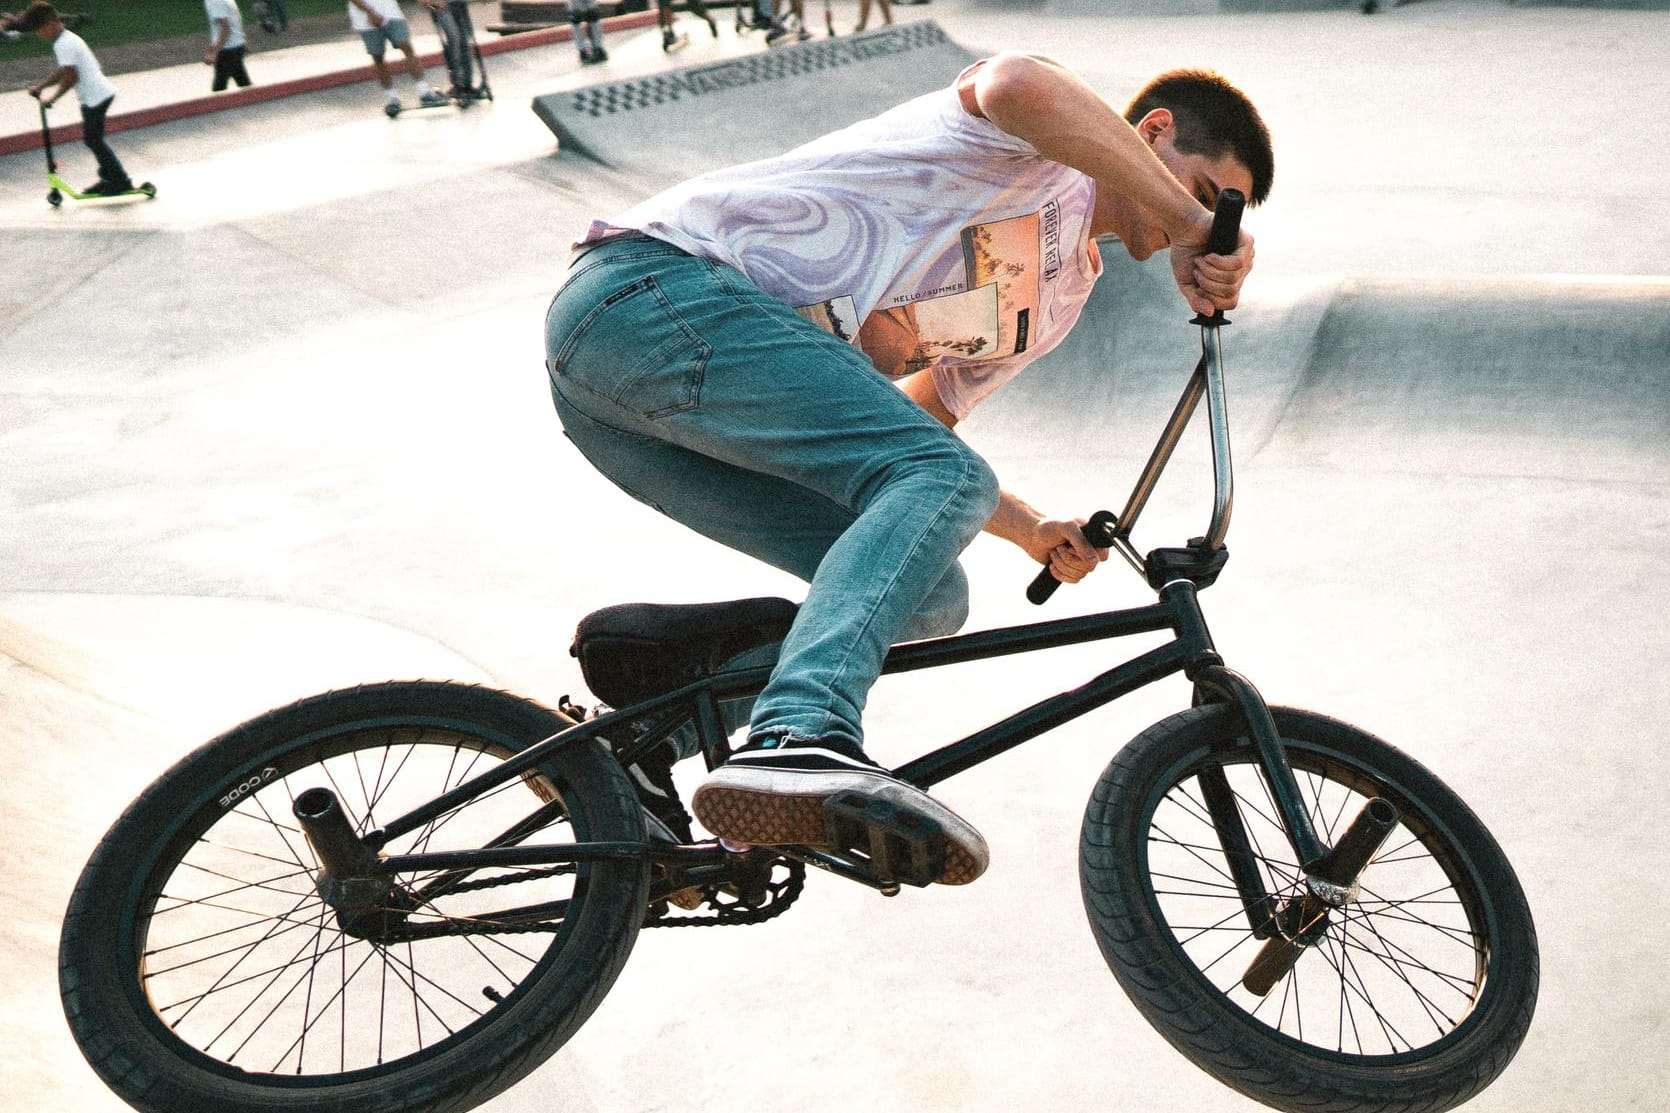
x: 769, y: 807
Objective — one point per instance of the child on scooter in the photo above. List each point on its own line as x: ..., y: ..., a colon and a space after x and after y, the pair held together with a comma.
x: 77, y: 69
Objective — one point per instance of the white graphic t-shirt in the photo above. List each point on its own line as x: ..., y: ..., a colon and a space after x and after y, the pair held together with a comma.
x: 927, y: 236
x: 92, y: 88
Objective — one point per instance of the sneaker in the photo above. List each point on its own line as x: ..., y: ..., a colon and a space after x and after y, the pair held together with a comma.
x: 777, y: 34
x: 432, y: 98
x: 652, y: 780
x: 772, y: 794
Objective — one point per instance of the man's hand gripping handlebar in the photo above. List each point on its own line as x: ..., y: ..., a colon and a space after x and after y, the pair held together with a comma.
x: 1104, y: 529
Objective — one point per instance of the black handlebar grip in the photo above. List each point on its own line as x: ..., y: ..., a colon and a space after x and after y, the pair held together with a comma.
x: 1099, y: 531
x: 1043, y: 586
x: 1226, y: 223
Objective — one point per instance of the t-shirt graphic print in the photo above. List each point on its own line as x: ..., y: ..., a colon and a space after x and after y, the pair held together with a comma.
x: 927, y: 236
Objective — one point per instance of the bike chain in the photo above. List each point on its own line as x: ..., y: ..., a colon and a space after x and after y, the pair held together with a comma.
x: 779, y: 895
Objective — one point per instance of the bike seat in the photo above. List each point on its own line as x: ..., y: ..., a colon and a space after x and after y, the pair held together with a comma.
x: 635, y: 651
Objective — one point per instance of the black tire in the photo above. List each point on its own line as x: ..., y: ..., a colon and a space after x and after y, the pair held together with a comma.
x: 200, y: 969
x: 1407, y: 1001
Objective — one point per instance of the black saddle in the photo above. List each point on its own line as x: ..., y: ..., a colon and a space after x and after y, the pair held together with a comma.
x: 635, y: 651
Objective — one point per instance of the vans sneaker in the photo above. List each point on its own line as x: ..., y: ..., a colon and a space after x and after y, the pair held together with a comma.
x: 652, y: 780
x: 772, y: 793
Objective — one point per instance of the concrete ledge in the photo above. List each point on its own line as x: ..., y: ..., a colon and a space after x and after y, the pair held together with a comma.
x: 646, y: 125
x: 260, y: 94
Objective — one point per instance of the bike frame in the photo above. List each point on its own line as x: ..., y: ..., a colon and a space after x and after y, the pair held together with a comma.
x: 1190, y: 652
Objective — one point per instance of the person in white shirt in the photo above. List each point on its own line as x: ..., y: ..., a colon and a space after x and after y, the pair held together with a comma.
x: 380, y: 24
x: 77, y: 69
x: 226, y: 43
x: 776, y: 355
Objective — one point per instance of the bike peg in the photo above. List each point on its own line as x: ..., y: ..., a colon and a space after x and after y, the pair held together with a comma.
x: 1101, y: 531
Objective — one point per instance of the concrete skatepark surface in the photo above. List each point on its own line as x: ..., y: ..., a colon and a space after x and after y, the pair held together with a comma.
x: 285, y: 428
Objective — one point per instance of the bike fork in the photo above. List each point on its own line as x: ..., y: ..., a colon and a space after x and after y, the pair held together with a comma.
x: 1331, y: 873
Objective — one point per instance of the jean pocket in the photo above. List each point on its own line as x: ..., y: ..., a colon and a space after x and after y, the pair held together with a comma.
x: 634, y: 349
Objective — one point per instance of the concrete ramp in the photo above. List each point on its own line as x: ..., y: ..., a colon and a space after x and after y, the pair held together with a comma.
x: 1549, y: 378
x: 1543, y: 377
x: 670, y: 126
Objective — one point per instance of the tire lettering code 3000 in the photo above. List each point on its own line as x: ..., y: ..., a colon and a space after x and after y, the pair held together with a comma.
x: 248, y: 785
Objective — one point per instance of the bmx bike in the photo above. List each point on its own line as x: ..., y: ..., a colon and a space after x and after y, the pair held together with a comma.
x: 408, y: 895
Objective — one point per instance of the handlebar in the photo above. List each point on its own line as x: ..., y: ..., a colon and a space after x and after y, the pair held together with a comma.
x: 1105, y: 530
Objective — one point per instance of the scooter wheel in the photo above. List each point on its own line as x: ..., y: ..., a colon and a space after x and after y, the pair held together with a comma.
x: 55, y: 198
x: 392, y: 109
x: 147, y: 189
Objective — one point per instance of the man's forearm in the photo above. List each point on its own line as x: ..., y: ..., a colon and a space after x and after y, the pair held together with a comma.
x: 64, y: 77
x: 1014, y: 520
x: 1051, y: 108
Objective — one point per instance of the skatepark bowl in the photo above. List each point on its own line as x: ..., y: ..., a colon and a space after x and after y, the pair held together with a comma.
x: 285, y: 428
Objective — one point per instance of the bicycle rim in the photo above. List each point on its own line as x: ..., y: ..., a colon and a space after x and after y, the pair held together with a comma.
x: 242, y: 961
x: 1393, y: 976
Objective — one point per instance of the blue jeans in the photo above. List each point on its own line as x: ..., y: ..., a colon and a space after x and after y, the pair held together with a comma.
x: 452, y: 24
x: 721, y: 407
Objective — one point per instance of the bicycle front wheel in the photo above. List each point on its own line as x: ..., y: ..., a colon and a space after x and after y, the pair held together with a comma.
x: 201, y: 968
x: 1412, y: 996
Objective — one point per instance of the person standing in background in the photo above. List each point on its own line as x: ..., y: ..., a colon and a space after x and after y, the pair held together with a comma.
x: 587, y: 35
x: 381, y: 23
x: 864, y: 14
x: 226, y: 43
x: 452, y: 24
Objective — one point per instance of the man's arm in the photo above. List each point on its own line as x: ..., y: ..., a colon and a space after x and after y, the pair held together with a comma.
x: 222, y: 32
x: 1049, y: 106
x: 64, y: 77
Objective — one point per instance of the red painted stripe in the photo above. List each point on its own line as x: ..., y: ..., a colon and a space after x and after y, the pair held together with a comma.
x: 258, y: 94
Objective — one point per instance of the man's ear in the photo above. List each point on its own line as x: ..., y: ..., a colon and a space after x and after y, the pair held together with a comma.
x: 1155, y: 124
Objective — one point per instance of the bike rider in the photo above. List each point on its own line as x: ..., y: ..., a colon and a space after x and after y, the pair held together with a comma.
x: 715, y: 352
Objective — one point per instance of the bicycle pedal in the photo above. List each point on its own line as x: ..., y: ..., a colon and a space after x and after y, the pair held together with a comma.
x: 897, y: 843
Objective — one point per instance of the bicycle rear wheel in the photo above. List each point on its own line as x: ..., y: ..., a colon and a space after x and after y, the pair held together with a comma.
x: 201, y: 969
x: 1413, y: 996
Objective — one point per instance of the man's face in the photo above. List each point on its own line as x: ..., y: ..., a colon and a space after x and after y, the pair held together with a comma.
x: 1202, y: 175
x: 48, y: 32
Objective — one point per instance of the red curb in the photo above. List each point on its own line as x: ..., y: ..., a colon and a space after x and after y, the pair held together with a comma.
x: 259, y: 94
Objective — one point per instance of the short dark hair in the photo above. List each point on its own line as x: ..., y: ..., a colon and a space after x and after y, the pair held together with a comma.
x: 1213, y: 118
x: 36, y: 16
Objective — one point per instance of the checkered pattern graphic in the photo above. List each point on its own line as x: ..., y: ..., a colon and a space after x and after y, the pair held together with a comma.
x: 776, y: 64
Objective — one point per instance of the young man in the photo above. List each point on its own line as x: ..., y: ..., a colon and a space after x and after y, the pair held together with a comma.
x: 226, y: 44
x: 864, y: 14
x: 670, y: 37
x: 379, y: 24
x: 77, y: 69
x: 723, y: 352
x: 583, y: 18
x: 780, y: 30
x: 452, y: 23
